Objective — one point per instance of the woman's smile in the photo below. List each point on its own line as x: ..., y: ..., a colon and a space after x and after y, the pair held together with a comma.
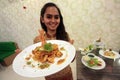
x: 51, y: 18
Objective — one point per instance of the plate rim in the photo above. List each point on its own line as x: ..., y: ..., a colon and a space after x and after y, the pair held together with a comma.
x: 52, y: 41
x: 101, y: 52
x: 85, y: 64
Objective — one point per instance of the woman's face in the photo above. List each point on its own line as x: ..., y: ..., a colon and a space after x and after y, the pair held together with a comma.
x: 51, y: 18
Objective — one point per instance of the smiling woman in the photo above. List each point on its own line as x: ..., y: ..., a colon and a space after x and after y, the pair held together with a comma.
x: 52, y: 23
x: 51, y: 18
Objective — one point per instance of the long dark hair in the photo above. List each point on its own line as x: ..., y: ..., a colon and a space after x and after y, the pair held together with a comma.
x: 61, y: 33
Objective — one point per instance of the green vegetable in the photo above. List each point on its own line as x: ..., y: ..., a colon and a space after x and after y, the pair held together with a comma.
x: 90, y: 47
x: 29, y: 62
x: 44, y: 65
x: 48, y: 47
x: 92, y: 62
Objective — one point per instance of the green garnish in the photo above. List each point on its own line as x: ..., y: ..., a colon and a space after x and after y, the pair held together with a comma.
x: 92, y: 62
x: 44, y: 65
x: 29, y: 62
x: 48, y: 47
x: 90, y: 47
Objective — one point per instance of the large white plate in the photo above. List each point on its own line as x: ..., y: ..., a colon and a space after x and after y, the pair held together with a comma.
x: 101, y: 52
x: 95, y: 67
x: 19, y: 64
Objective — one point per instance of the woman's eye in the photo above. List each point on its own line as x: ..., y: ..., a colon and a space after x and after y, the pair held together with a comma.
x: 56, y: 17
x: 49, y: 17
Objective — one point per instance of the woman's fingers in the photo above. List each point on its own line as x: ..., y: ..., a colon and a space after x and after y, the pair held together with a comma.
x: 18, y: 50
x: 71, y: 41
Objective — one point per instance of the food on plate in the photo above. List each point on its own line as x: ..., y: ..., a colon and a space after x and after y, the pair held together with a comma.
x: 44, y: 65
x: 109, y: 53
x: 86, y: 58
x: 94, y: 62
x: 91, y: 60
x: 89, y: 48
x: 44, y: 55
x: 60, y: 61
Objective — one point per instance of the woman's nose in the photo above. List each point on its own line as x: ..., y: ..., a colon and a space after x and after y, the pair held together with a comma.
x: 53, y: 19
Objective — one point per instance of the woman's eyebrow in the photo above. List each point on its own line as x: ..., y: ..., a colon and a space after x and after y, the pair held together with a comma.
x: 52, y: 15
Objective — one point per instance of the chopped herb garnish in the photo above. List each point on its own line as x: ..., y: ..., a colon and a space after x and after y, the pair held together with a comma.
x: 48, y: 47
x: 29, y: 62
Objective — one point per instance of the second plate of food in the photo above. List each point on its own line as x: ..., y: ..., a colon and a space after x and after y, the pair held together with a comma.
x: 109, y: 54
x: 93, y: 62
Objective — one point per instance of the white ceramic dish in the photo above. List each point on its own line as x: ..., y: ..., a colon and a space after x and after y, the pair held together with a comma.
x: 19, y: 64
x: 95, y: 67
x: 101, y: 52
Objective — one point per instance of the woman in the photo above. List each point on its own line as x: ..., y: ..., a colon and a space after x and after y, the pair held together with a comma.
x: 52, y: 23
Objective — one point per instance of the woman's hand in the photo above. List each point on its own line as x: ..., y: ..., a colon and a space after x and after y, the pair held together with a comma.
x: 71, y: 41
x: 18, y: 50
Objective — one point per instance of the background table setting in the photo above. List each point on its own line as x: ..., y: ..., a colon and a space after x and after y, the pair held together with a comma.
x: 95, y: 62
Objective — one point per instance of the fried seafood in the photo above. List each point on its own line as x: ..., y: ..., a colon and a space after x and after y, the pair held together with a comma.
x: 42, y: 55
x: 109, y: 53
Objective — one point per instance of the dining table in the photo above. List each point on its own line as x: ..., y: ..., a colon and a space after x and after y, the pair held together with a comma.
x: 111, y: 71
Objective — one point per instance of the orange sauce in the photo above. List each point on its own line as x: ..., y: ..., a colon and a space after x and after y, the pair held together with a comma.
x: 60, y: 61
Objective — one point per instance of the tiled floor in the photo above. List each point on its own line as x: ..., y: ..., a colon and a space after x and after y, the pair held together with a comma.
x: 7, y: 73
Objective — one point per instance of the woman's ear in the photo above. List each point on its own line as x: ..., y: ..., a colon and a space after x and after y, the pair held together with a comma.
x: 42, y: 20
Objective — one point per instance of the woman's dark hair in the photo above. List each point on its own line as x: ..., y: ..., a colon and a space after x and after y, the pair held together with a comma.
x: 61, y: 33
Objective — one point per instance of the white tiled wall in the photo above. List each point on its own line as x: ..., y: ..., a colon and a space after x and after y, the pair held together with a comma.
x: 85, y: 21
